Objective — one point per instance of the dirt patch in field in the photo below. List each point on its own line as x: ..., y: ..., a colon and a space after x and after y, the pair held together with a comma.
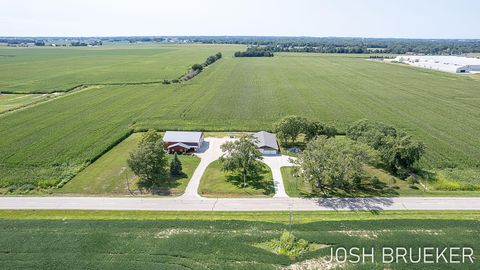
x: 315, y: 264
x: 170, y: 232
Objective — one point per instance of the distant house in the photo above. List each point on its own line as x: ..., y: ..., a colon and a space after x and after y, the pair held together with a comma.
x: 182, y: 141
x: 266, y: 143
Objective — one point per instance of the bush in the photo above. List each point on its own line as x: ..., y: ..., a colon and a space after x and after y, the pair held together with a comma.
x: 411, y: 180
x: 47, y: 183
x: 375, y: 181
x: 289, y: 245
x: 393, y: 180
x: 166, y: 82
x: 197, y: 67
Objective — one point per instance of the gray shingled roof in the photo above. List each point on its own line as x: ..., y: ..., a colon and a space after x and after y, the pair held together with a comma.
x: 266, y: 139
x: 182, y: 136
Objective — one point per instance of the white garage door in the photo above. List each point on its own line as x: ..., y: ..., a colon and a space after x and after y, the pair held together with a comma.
x: 268, y: 152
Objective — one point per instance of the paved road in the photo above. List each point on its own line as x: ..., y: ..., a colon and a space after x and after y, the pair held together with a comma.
x: 264, y: 204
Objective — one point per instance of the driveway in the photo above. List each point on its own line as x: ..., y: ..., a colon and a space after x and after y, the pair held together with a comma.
x: 209, y: 152
x: 275, y: 163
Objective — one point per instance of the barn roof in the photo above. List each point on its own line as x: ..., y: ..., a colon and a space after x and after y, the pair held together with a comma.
x: 266, y: 139
x: 183, y: 136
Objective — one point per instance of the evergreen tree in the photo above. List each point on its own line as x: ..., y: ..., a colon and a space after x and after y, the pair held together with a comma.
x: 176, y: 166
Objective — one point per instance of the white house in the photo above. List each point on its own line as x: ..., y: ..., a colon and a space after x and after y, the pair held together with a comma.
x: 266, y: 143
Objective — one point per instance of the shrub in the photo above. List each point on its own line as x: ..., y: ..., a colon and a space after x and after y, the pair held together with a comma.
x: 197, y: 67
x: 289, y: 245
x: 375, y: 181
x: 47, y: 183
x: 393, y: 180
x: 411, y: 180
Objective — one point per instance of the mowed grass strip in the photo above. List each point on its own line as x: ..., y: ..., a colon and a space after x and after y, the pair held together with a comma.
x: 110, y: 173
x: 57, y: 69
x: 198, y: 244
x: 57, y: 139
x: 10, y: 102
x: 217, y: 183
x: 266, y: 216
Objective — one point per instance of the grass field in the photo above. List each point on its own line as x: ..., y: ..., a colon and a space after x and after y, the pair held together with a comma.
x: 437, y: 108
x: 216, y: 183
x: 297, y: 187
x: 108, y: 174
x: 10, y: 102
x: 197, y: 243
x: 27, y: 70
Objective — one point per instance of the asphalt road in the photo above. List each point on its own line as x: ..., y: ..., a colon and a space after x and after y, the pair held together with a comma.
x: 246, y: 204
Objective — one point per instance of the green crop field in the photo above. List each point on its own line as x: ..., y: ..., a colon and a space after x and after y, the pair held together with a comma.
x: 108, y: 174
x: 27, y: 70
x: 56, y: 139
x: 198, y: 243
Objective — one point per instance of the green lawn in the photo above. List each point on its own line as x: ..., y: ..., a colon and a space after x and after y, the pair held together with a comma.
x: 108, y: 174
x: 9, y: 102
x: 54, y: 140
x: 216, y: 183
x: 198, y: 243
x: 58, y: 69
x: 390, y: 187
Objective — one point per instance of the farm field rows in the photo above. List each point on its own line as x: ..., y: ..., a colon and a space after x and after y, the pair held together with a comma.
x: 27, y: 70
x: 440, y: 109
x: 203, y: 244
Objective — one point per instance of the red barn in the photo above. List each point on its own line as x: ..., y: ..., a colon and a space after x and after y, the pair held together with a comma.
x: 182, y: 141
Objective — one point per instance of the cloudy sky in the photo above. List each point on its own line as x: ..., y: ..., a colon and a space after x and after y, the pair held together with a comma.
x: 352, y: 18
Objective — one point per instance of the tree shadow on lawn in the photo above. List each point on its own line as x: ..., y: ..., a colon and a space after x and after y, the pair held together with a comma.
x: 256, y: 181
x: 166, y: 188
x: 366, y: 190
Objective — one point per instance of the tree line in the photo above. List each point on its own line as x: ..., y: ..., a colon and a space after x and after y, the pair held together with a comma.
x: 255, y: 52
x: 352, y: 45
x: 196, y: 69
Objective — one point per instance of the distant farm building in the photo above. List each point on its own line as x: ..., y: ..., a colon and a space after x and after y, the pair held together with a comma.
x: 453, y: 64
x: 182, y: 141
x: 266, y: 143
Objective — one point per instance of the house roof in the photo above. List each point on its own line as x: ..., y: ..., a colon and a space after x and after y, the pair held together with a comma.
x: 183, y: 136
x: 266, y: 139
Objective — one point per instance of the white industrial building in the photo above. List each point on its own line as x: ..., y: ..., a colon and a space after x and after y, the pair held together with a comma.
x: 453, y: 64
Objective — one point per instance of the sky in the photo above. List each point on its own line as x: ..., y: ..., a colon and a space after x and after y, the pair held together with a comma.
x: 318, y: 18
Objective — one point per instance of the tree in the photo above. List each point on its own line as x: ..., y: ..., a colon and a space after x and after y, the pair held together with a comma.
x: 242, y: 156
x: 398, y: 150
x: 176, y: 166
x: 218, y: 55
x: 402, y: 152
x: 211, y: 59
x: 149, y: 161
x: 290, y: 127
x: 330, y: 163
x: 312, y: 129
x: 197, y: 67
